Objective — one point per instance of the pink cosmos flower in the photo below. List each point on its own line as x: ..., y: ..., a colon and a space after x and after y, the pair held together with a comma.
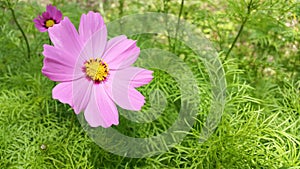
x: 49, y: 18
x: 95, y: 74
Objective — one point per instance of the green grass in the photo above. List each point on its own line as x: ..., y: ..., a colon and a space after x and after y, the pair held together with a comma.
x: 260, y: 127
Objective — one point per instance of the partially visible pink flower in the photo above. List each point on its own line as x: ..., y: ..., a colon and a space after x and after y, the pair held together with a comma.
x: 48, y: 19
x: 95, y: 74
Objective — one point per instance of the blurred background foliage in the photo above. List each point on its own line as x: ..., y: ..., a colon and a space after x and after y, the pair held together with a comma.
x: 257, y: 40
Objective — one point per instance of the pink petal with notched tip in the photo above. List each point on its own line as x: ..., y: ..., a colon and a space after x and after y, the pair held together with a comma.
x: 46, y: 16
x: 65, y: 37
x: 89, y: 24
x: 59, y: 66
x: 94, y: 47
x: 143, y: 77
x: 93, y: 34
x: 40, y: 27
x: 82, y: 89
x: 120, y: 87
x: 120, y: 52
x: 101, y: 110
x: 63, y: 93
x: 54, y: 13
x: 39, y: 24
x: 115, y: 40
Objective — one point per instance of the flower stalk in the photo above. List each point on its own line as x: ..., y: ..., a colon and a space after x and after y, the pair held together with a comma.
x: 166, y: 11
x: 178, y: 23
x: 240, y: 30
x: 21, y: 30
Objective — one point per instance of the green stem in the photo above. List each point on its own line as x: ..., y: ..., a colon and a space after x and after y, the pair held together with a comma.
x: 20, y: 28
x: 236, y: 38
x: 50, y: 43
x: 178, y: 23
x: 166, y: 11
x: 121, y: 11
x: 121, y: 3
x: 240, y: 30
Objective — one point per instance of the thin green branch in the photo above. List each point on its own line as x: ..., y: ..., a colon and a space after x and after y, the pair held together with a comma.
x: 121, y: 11
x: 240, y: 30
x: 166, y: 11
x: 121, y: 6
x: 20, y: 28
x: 178, y: 23
x: 50, y: 42
x: 236, y: 38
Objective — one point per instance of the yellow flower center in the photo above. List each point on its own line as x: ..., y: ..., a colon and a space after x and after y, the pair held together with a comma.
x: 49, y: 23
x: 96, y: 69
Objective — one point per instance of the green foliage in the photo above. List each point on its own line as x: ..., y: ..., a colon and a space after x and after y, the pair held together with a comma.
x: 260, y: 127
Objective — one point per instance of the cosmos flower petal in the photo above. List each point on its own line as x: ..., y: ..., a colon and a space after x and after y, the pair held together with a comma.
x: 51, y: 9
x: 127, y: 97
x: 93, y: 34
x: 82, y: 89
x: 65, y: 37
x: 101, y: 110
x: 46, y: 15
x: 40, y: 20
x: 121, y: 52
x: 59, y: 65
x: 54, y: 13
x: 63, y: 93
x: 115, y: 40
x: 39, y: 26
x: 37, y: 21
x: 135, y: 76
x: 142, y: 77
x: 59, y: 55
x: 89, y: 24
x: 121, y: 83
x: 95, y: 45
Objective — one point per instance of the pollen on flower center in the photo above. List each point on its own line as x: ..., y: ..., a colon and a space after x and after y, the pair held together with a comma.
x: 49, y: 23
x: 96, y: 69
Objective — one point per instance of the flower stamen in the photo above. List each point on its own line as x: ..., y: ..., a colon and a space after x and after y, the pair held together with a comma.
x: 96, y: 69
x: 49, y: 23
